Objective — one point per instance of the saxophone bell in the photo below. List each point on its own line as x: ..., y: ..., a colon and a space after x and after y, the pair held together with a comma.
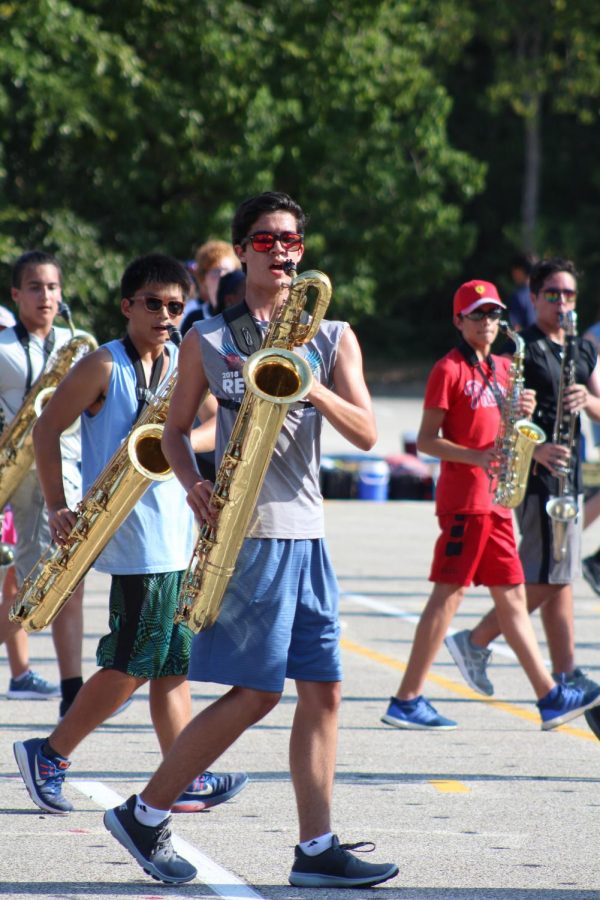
x: 517, y: 437
x: 40, y: 402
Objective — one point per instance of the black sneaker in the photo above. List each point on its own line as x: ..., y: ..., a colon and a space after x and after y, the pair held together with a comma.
x: 337, y: 867
x: 591, y: 572
x: 151, y: 847
x: 592, y: 717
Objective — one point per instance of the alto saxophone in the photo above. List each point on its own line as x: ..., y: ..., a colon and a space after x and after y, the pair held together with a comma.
x: 108, y: 501
x: 563, y: 508
x: 275, y: 378
x: 16, y: 446
x: 518, y: 437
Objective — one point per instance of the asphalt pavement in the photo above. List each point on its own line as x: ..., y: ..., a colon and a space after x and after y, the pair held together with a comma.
x: 496, y: 810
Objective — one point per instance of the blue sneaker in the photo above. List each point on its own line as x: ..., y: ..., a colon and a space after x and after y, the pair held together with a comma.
x: 43, y: 777
x: 31, y: 687
x: 564, y: 703
x: 209, y: 790
x: 416, y: 715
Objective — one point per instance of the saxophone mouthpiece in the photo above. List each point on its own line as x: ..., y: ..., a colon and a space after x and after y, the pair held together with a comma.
x: 174, y: 335
x: 289, y: 267
x: 64, y: 312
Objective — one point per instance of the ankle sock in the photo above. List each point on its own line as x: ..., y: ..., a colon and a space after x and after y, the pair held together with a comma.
x: 69, y: 688
x: 551, y: 695
x: 148, y: 815
x: 21, y: 677
x: 317, y: 845
x: 49, y: 752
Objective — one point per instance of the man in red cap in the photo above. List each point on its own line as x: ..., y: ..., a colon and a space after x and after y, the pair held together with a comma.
x: 461, y: 419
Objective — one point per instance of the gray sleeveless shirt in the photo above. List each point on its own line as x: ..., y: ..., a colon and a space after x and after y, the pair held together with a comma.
x: 290, y: 504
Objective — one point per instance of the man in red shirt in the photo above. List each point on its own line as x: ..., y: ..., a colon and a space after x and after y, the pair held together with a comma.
x: 461, y: 419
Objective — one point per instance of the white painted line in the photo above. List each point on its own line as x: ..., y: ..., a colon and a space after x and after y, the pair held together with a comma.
x: 389, y: 610
x: 218, y: 879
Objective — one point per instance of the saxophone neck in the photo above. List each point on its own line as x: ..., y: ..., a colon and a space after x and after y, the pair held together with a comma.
x: 64, y: 311
x: 515, y: 337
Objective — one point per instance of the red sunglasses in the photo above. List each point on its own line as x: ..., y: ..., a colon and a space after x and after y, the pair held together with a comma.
x: 263, y: 241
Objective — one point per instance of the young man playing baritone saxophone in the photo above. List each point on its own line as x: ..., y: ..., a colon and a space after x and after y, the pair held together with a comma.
x: 461, y: 418
x: 26, y: 351
x: 146, y: 556
x: 279, y: 616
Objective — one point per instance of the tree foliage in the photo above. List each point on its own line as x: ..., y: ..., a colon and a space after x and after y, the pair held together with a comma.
x: 398, y: 124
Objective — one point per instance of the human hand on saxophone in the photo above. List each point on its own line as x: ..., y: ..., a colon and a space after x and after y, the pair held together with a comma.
x: 61, y: 522
x: 198, y: 499
x: 527, y: 403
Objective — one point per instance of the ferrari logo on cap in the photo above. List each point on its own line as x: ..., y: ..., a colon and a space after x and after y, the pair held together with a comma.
x: 479, y: 288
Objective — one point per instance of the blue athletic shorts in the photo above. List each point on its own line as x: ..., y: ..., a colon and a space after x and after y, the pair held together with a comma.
x: 279, y: 619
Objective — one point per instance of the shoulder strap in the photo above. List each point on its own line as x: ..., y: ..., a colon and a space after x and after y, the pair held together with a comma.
x: 143, y: 392
x: 23, y: 338
x: 245, y: 331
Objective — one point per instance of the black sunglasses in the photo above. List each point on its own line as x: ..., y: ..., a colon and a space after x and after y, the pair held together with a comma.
x: 263, y: 241
x: 153, y: 304
x: 478, y: 315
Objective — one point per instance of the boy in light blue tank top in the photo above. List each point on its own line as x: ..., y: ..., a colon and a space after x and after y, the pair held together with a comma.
x: 279, y: 616
x: 146, y: 556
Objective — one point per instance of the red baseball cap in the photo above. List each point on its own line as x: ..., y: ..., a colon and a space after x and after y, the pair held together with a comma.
x: 476, y: 293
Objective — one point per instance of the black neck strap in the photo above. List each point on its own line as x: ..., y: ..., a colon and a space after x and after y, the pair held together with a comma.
x: 23, y: 338
x: 473, y: 360
x: 246, y: 333
x: 144, y: 392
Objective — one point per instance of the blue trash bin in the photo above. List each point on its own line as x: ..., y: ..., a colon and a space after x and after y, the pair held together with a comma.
x: 373, y: 480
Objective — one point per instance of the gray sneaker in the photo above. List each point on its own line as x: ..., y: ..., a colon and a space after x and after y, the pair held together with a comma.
x: 471, y: 661
x: 32, y: 687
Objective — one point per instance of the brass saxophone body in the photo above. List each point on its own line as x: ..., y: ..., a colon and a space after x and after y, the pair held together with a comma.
x: 16, y: 446
x: 275, y: 378
x: 133, y: 467
x: 518, y: 437
x: 563, y: 508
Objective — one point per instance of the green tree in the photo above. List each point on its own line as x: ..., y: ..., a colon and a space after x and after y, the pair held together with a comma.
x: 140, y: 125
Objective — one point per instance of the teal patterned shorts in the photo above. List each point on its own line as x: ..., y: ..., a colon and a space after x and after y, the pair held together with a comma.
x: 143, y: 640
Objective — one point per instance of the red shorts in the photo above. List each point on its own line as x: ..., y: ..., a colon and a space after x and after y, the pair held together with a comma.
x: 476, y: 549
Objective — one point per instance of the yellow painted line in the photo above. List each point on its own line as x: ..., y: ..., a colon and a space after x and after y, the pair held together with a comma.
x: 454, y: 687
x: 449, y: 787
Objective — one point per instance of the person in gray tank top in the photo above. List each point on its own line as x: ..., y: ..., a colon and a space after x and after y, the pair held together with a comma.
x: 279, y: 617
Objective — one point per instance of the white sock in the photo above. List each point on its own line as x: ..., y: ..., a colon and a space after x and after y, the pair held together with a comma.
x: 317, y: 845
x: 21, y: 677
x: 147, y: 815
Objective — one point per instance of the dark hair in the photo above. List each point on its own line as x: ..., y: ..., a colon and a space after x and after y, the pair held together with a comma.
x: 158, y: 269
x: 32, y: 258
x: 227, y: 285
x: 547, y: 267
x: 524, y: 261
x: 251, y: 209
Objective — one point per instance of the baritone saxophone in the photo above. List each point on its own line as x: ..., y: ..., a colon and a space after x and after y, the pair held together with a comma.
x: 16, y: 445
x: 275, y: 378
x: 108, y: 501
x: 518, y: 437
